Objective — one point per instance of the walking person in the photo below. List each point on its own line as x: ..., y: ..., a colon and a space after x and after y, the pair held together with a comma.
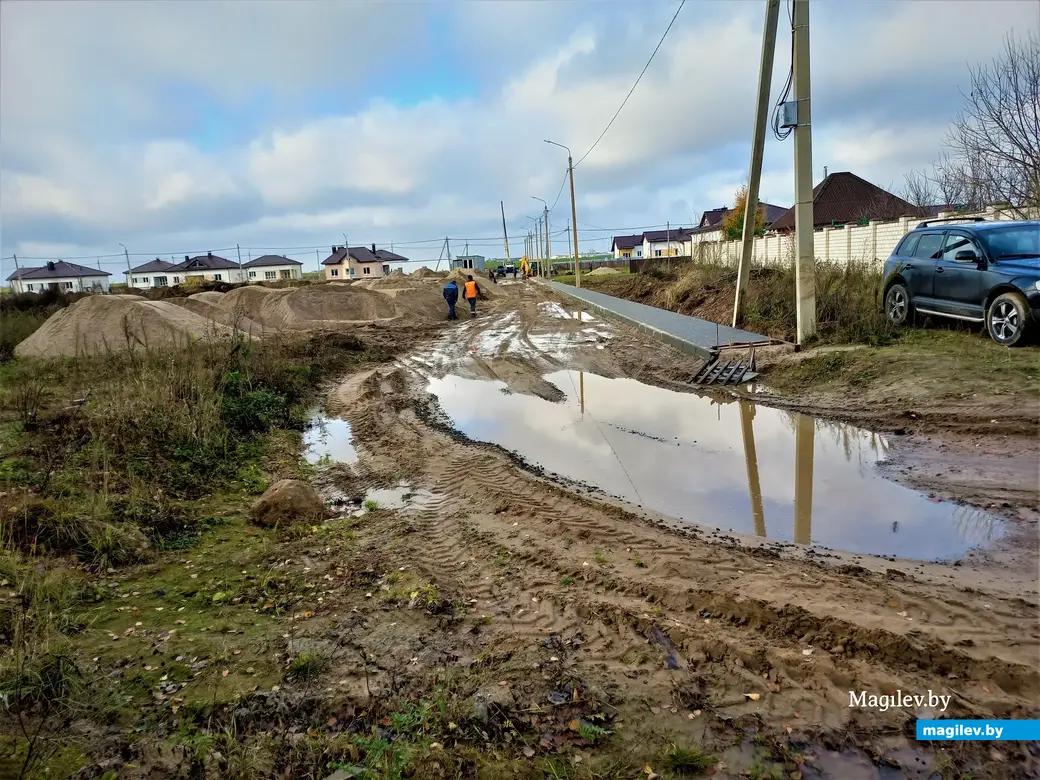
x: 470, y: 292
x: 491, y: 275
x: 451, y: 295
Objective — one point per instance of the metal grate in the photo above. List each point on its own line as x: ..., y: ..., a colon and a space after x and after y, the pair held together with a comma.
x: 726, y: 372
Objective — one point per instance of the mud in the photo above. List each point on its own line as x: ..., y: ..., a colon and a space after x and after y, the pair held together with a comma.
x: 530, y: 515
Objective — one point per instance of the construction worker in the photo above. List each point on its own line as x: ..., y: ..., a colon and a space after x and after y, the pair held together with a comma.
x: 470, y: 293
x: 491, y: 276
x: 451, y: 295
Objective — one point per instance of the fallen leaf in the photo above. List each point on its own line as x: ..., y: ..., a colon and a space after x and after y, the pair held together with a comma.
x: 236, y: 652
x: 224, y: 673
x: 529, y: 752
x: 180, y: 622
x: 754, y: 696
x: 807, y: 651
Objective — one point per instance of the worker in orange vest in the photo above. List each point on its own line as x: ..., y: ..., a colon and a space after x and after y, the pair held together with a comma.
x: 470, y: 292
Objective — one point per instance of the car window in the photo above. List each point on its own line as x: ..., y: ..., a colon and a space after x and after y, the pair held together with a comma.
x: 1013, y: 241
x: 929, y: 247
x: 957, y: 243
x: 906, y: 247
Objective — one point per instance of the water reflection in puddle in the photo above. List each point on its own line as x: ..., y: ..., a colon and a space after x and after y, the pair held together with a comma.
x: 328, y: 440
x: 720, y: 463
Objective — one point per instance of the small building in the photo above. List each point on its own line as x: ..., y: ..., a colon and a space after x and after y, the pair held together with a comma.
x: 208, y: 266
x: 359, y: 262
x: 473, y: 262
x: 61, y: 276
x: 152, y: 274
x: 270, y: 268
x: 627, y: 246
x: 664, y: 243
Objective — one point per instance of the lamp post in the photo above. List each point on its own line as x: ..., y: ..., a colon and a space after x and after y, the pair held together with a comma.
x: 126, y: 252
x: 574, y: 214
x: 548, y: 244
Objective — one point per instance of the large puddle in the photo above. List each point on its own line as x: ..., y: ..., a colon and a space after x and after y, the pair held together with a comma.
x: 725, y: 464
x: 328, y: 440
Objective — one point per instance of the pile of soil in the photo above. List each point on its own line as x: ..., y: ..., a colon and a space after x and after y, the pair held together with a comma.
x: 102, y: 323
x: 605, y: 270
x: 208, y: 305
x: 428, y: 273
x: 305, y: 308
x: 488, y: 288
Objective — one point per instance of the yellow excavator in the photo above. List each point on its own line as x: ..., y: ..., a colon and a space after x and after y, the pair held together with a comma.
x: 525, y: 267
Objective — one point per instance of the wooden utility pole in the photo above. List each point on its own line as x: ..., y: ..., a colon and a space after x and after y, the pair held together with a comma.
x: 765, y: 77
x: 505, y: 233
x: 805, y: 260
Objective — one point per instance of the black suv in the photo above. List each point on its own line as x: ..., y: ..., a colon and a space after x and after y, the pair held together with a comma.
x: 978, y: 270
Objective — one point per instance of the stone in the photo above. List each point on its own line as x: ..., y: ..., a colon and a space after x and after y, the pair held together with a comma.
x: 286, y: 502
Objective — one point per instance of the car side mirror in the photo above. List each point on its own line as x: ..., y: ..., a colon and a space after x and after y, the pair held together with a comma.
x: 966, y: 256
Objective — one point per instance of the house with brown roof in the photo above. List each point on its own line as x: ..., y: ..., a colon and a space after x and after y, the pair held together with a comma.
x: 359, y: 262
x: 627, y: 246
x: 844, y: 198
x: 713, y: 219
x: 208, y: 266
x: 270, y: 268
x: 154, y: 273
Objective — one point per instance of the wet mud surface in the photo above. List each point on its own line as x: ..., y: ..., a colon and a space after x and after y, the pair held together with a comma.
x: 602, y: 523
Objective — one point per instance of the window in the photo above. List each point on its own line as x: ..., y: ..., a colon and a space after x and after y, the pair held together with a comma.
x: 159, y: 281
x: 657, y: 253
x: 930, y: 246
x: 957, y: 243
x: 367, y: 270
x: 639, y: 253
x: 66, y: 285
x: 1018, y: 241
x: 287, y: 273
x: 176, y: 280
x: 217, y: 277
x: 907, y: 245
x: 252, y: 274
x: 270, y: 275
x: 28, y: 288
x: 351, y: 271
x: 335, y: 272
x: 136, y: 279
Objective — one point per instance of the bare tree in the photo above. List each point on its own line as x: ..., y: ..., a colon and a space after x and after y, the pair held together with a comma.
x: 993, y: 148
x: 919, y: 188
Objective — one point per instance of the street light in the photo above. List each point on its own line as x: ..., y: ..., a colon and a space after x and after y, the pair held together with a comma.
x: 574, y: 214
x: 126, y: 252
x: 548, y: 245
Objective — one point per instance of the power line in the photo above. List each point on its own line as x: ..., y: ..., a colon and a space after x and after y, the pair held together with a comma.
x: 669, y: 27
x: 558, y: 194
x: 782, y: 133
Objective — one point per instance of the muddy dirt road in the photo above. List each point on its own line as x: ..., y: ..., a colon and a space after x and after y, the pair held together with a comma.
x: 603, y: 524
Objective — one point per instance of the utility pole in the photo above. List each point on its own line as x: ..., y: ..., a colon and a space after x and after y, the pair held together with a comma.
x: 538, y: 243
x: 16, y: 266
x: 574, y: 214
x: 765, y: 77
x: 805, y: 261
x: 126, y: 253
x: 548, y: 244
x: 241, y: 275
x: 505, y: 233
x: 447, y: 249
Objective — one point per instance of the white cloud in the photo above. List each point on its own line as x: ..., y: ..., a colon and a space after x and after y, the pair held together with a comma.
x: 84, y: 166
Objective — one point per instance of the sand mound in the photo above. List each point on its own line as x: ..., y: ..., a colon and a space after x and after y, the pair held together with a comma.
x: 108, y: 322
x: 129, y: 297
x: 209, y: 296
x: 212, y: 310
x: 418, y: 303
x: 303, y: 308
x: 603, y: 271
x: 428, y: 273
x: 489, y: 288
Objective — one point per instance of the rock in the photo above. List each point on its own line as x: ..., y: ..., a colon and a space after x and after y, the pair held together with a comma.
x: 285, y: 502
x: 491, y: 696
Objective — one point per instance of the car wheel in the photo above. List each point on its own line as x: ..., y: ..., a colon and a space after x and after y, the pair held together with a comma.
x: 1009, y: 320
x: 899, y: 309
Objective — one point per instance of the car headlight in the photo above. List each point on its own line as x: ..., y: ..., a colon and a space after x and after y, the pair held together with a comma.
x: 1036, y: 284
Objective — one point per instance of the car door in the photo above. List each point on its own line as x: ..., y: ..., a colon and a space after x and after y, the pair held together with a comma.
x: 957, y: 288
x: 920, y: 268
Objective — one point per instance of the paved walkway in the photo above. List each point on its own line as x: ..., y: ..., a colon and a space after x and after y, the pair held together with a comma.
x: 688, y: 334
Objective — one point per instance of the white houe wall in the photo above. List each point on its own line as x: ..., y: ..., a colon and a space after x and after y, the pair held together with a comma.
x: 260, y: 273
x: 64, y: 283
x: 872, y: 242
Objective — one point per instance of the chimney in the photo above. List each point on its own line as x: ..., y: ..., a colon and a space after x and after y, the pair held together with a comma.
x: 825, y: 171
x: 50, y: 265
x: 334, y: 250
x: 186, y: 258
x: 209, y: 255
x: 373, y: 248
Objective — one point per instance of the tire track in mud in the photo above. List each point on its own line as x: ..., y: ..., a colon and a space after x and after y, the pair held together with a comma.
x: 508, y: 538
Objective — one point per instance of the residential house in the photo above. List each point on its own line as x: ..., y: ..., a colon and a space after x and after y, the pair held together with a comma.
x: 844, y: 198
x: 711, y: 225
x: 59, y: 275
x: 359, y: 262
x: 155, y: 273
x: 627, y: 246
x: 665, y: 243
x: 270, y: 268
x: 476, y: 262
x: 208, y: 266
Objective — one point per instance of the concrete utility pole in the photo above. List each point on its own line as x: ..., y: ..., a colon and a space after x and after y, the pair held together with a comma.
x: 548, y: 245
x: 505, y: 233
x: 758, y: 143
x: 241, y: 276
x: 574, y: 213
x: 805, y: 261
x: 126, y: 253
x: 16, y: 266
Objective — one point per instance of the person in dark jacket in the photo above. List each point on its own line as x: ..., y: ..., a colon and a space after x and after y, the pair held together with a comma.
x: 451, y: 295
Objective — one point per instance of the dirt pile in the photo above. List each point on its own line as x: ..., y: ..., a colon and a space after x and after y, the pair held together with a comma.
x: 287, y: 502
x: 488, y: 288
x: 305, y: 308
x: 108, y: 322
x: 208, y: 305
x: 603, y: 271
x: 428, y: 273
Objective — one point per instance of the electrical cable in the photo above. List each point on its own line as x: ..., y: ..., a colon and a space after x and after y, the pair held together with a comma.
x: 623, y: 102
x: 783, y: 133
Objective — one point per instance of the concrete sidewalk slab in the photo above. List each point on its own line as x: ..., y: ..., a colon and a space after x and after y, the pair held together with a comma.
x: 690, y: 335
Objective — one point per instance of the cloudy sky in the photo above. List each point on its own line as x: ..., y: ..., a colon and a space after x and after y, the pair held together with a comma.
x: 177, y: 127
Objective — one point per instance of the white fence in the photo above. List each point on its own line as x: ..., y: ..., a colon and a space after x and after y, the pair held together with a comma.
x: 872, y: 242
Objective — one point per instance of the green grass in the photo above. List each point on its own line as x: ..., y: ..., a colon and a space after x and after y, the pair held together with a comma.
x: 687, y: 761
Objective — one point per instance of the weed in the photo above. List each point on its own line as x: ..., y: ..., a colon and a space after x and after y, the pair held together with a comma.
x: 306, y: 666
x: 567, y: 581
x: 370, y: 505
x: 601, y: 558
x: 640, y: 564
x: 687, y: 760
x: 502, y: 556
x: 252, y: 479
x: 592, y: 733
